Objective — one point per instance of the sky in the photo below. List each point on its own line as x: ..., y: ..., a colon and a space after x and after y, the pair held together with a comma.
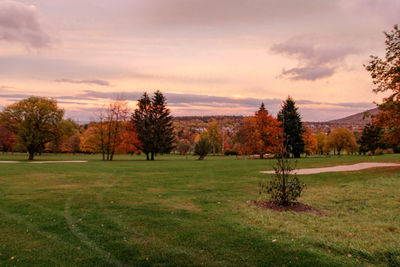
x: 209, y: 57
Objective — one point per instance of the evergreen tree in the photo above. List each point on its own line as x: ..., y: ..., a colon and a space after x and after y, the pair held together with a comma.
x: 370, y: 139
x: 143, y: 124
x: 292, y: 128
x: 153, y: 124
x: 163, y: 130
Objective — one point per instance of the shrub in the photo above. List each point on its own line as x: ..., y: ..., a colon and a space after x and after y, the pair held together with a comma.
x: 285, y: 187
x: 202, y: 147
x: 378, y: 151
x: 389, y: 151
x: 230, y: 153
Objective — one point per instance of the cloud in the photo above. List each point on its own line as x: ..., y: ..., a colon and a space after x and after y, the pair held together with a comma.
x: 318, y: 57
x: 95, y: 82
x: 20, y: 23
x: 308, y: 73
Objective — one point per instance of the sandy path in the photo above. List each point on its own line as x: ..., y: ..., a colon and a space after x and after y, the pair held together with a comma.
x: 343, y: 168
x: 50, y: 161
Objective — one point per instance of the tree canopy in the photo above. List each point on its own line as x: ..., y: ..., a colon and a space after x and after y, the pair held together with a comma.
x: 35, y: 120
x: 385, y: 73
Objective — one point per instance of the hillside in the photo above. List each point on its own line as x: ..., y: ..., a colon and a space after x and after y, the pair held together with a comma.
x: 356, y: 119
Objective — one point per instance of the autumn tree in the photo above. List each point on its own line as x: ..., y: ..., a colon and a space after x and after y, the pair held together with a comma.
x: 321, y: 140
x: 73, y: 143
x: 34, y: 120
x: 129, y: 143
x: 65, y: 129
x: 385, y: 75
x: 7, y: 139
x: 341, y: 139
x: 292, y: 128
x: 310, y: 142
x: 153, y: 124
x: 269, y: 131
x: 90, y: 140
x: 214, y: 137
x: 248, y: 137
x: 112, y: 121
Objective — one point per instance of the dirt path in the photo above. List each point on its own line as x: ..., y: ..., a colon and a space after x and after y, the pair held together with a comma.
x: 50, y: 161
x: 343, y: 168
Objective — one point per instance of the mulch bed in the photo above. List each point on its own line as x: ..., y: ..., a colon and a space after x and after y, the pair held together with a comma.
x: 294, y: 206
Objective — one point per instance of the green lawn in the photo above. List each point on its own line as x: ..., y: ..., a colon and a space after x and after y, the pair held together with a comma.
x: 182, y: 212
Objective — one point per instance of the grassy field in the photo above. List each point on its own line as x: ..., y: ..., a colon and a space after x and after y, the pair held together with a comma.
x: 182, y: 212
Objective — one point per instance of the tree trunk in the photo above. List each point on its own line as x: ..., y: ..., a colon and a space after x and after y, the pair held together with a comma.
x: 152, y: 155
x: 31, y: 155
x: 147, y: 156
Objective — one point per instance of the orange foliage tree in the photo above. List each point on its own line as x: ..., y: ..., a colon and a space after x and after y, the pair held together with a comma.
x: 112, y: 133
x: 310, y: 142
x: 341, y: 139
x: 259, y: 134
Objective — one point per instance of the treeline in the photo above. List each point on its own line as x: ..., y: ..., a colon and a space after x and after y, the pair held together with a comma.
x: 36, y: 125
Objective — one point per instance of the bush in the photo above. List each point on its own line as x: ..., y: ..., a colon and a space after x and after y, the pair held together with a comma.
x: 378, y: 151
x: 202, y: 147
x: 230, y: 153
x: 389, y: 151
x: 285, y: 187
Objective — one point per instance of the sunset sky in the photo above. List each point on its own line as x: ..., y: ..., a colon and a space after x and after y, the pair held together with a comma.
x: 219, y: 57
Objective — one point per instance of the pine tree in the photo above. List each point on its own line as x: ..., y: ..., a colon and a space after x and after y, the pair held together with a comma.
x: 163, y: 130
x: 292, y: 128
x: 153, y: 124
x: 143, y: 124
x: 370, y: 139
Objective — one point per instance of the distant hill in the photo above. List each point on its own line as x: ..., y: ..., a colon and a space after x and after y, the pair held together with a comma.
x: 356, y: 119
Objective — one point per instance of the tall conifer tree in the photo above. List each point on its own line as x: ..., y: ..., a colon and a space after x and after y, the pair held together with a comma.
x: 153, y: 124
x: 292, y: 128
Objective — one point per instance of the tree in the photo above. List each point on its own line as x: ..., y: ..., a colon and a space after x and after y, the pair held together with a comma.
x: 153, y: 124
x: 310, y: 142
x: 65, y: 129
x: 285, y: 187
x: 321, y: 140
x: 370, y: 139
x: 34, y: 120
x: 183, y: 146
x: 292, y: 128
x: 90, y: 139
x: 7, y: 139
x: 202, y: 147
x: 73, y: 143
x: 385, y: 75
x: 142, y: 118
x: 214, y: 137
x: 248, y: 137
x: 269, y: 131
x: 341, y: 139
x: 111, y: 123
x: 163, y: 127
